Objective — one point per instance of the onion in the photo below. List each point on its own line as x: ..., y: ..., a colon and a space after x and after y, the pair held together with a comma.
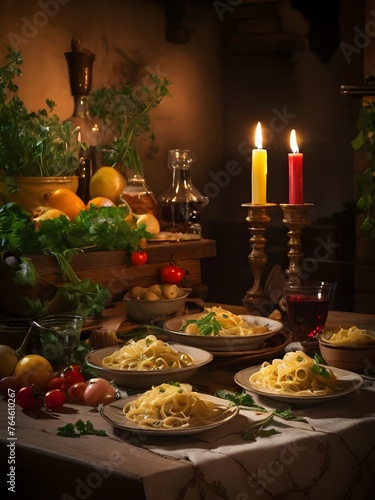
x: 99, y: 391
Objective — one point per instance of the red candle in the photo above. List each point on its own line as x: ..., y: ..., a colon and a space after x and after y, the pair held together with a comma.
x: 295, y: 162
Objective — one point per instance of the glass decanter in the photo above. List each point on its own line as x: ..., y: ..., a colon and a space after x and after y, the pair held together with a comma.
x: 181, y: 205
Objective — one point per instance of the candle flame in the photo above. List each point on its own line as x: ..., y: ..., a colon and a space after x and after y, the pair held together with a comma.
x: 258, y: 136
x: 293, y: 142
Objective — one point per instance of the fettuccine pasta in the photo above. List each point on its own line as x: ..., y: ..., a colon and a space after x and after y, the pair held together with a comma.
x: 216, y: 321
x: 147, y: 354
x: 350, y: 336
x: 173, y: 406
x: 296, y: 374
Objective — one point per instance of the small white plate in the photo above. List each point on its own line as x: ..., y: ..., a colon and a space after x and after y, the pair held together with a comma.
x: 113, y: 413
x: 228, y: 343
x: 142, y: 378
x: 352, y: 382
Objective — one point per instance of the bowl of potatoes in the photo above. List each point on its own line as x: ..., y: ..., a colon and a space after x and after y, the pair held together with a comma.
x: 156, y: 302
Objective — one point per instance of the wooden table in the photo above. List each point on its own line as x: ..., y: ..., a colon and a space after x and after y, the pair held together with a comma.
x: 130, y: 466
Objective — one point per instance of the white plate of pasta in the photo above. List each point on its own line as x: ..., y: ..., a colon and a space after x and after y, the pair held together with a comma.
x: 297, y: 378
x: 219, y: 330
x: 148, y: 361
x: 201, y: 412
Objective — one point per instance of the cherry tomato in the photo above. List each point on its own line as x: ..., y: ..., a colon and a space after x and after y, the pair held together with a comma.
x: 99, y: 391
x: 75, y: 367
x: 76, y: 391
x: 139, y: 258
x: 29, y: 398
x: 9, y: 386
x: 54, y: 399
x: 72, y: 376
x: 172, y: 274
x: 57, y: 383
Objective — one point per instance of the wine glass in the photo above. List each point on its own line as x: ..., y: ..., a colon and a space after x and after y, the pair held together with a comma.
x: 307, y: 306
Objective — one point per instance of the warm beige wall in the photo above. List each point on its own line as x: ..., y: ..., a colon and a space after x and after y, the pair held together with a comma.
x: 128, y: 38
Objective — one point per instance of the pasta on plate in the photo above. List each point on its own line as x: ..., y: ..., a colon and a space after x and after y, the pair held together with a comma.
x: 147, y: 354
x: 173, y: 406
x: 296, y: 374
x: 352, y: 336
x: 216, y: 321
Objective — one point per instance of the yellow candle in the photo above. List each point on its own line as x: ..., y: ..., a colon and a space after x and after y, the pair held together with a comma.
x: 259, y: 170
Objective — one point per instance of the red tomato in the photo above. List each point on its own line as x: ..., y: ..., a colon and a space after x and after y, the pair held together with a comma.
x: 72, y: 376
x: 76, y: 391
x: 139, y: 258
x: 54, y: 399
x: 29, y: 399
x: 9, y: 386
x: 172, y: 274
x: 57, y: 383
x: 76, y: 368
x: 99, y: 391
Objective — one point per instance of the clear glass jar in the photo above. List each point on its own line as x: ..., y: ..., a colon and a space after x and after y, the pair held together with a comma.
x: 139, y: 196
x: 55, y: 338
x: 181, y: 205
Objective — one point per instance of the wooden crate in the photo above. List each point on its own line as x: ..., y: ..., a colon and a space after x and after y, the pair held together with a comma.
x: 113, y: 269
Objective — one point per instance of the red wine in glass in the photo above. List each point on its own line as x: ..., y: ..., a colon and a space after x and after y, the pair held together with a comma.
x: 307, y: 315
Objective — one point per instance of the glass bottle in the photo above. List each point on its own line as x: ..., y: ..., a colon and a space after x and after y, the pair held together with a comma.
x: 87, y: 129
x: 139, y: 196
x: 181, y: 205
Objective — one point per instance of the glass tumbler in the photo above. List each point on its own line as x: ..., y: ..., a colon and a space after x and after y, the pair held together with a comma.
x: 57, y: 337
x: 307, y: 306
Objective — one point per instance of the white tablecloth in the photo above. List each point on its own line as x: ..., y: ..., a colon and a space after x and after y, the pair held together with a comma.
x: 332, y: 457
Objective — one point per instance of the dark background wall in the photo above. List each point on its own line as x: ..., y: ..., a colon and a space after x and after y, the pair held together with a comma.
x: 231, y: 64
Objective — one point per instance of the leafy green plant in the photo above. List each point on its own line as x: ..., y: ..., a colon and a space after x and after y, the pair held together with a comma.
x: 365, y: 181
x: 125, y: 110
x: 32, y: 143
x: 61, y: 239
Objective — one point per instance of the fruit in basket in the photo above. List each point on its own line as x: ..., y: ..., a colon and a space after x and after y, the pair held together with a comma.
x: 8, y: 361
x: 34, y: 370
x: 108, y: 183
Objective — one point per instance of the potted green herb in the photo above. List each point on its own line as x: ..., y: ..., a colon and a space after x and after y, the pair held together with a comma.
x: 34, y: 145
x: 125, y: 110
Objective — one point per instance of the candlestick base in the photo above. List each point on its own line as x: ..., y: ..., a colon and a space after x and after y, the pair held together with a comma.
x: 256, y: 300
x: 295, y: 218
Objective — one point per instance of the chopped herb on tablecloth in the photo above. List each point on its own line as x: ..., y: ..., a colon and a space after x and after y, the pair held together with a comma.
x: 80, y: 428
x: 257, y: 429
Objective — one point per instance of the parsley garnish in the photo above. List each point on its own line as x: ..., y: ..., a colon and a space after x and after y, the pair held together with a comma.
x: 207, y: 325
x: 80, y: 428
x: 257, y: 429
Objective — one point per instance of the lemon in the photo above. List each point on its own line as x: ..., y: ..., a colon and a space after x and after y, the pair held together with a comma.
x: 66, y: 201
x: 34, y: 370
x: 107, y: 182
x: 8, y: 361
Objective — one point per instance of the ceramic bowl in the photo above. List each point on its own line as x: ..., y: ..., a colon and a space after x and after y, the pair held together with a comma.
x: 146, y: 379
x: 230, y: 343
x: 359, y: 359
x: 143, y: 311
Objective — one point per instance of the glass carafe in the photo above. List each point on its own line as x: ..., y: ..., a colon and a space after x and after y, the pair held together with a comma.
x: 181, y: 205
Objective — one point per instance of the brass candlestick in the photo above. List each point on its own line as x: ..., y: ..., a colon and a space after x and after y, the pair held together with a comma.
x: 295, y: 218
x: 256, y: 299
